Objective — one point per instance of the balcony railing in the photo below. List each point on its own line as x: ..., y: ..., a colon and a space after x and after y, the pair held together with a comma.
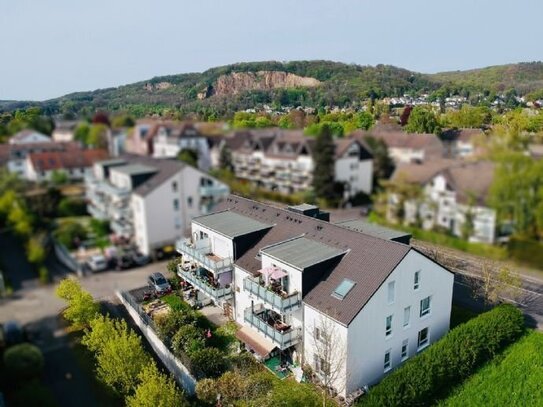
x: 122, y: 228
x: 95, y: 212
x: 204, y: 258
x: 282, y: 304
x: 283, y: 339
x: 203, y: 285
x: 213, y: 190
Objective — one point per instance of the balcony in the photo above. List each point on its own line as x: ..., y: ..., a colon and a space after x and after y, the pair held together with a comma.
x: 204, y: 257
x: 95, y: 212
x: 284, y: 336
x: 281, y: 302
x: 122, y: 228
x: 214, y: 190
x: 205, y: 285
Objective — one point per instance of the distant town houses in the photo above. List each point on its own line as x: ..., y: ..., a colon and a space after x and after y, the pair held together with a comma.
x: 163, y: 138
x: 453, y: 197
x: 64, y: 130
x: 150, y: 202
x: 282, y: 160
x: 350, y: 300
x: 28, y: 136
x: 464, y: 143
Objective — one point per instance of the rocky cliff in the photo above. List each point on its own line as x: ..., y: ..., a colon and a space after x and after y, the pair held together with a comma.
x: 238, y: 82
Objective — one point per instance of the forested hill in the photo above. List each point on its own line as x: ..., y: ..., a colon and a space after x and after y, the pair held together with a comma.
x: 223, y: 90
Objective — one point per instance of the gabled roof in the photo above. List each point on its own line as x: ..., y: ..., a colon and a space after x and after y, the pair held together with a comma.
x: 23, y: 134
x: 368, y: 260
x: 58, y: 160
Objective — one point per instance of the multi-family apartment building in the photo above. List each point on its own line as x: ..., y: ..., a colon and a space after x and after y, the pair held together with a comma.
x: 282, y: 160
x: 150, y: 202
x: 454, y: 195
x: 297, y: 284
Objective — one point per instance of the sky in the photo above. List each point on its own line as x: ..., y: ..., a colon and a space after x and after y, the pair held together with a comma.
x: 52, y: 47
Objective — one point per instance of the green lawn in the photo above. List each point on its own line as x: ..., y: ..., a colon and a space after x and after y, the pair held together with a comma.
x: 514, y: 378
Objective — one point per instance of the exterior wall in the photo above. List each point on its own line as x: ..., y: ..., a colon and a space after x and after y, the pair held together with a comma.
x: 357, y: 173
x: 17, y: 166
x: 406, y: 155
x: 119, y: 179
x: 367, y: 342
x: 139, y: 210
x: 170, y: 147
x: 338, y: 357
x: 63, y: 135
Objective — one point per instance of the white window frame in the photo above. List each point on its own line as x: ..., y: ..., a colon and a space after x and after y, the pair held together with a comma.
x: 391, y: 288
x: 421, y: 346
x: 387, y: 361
x: 416, y: 280
x: 406, y: 317
x: 425, y: 311
x: 388, y: 328
x: 405, y: 350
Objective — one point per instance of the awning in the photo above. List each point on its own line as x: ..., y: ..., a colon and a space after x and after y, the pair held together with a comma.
x: 277, y: 274
x: 255, y: 341
x: 272, y: 272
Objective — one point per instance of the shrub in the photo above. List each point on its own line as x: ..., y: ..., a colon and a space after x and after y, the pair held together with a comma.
x: 526, y: 251
x: 33, y: 394
x: 82, y: 308
x: 430, y: 375
x: 23, y: 362
x: 206, y: 391
x: 69, y: 233
x: 155, y: 390
x: 72, y: 207
x: 188, y: 339
x: 43, y: 274
x: 173, y: 321
x: 210, y: 362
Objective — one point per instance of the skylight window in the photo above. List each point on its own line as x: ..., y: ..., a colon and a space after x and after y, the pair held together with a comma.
x: 343, y: 289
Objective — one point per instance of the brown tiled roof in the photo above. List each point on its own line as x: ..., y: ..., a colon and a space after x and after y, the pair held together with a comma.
x: 464, y: 135
x: 368, y: 262
x: 467, y: 178
x: 20, y: 151
x: 56, y: 160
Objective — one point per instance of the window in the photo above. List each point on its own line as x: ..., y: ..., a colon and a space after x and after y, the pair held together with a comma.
x: 425, y: 306
x: 176, y: 204
x: 404, y: 349
x: 321, y: 365
x: 189, y: 201
x: 343, y: 289
x: 317, y: 334
x: 391, y: 292
x: 388, y: 326
x: 174, y: 186
x: 423, y: 340
x: 387, y: 363
x: 406, y: 315
x: 416, y: 280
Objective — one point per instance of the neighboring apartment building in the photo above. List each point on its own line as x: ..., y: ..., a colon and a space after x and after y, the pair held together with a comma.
x: 29, y: 136
x: 297, y: 284
x: 454, y: 197
x: 150, y: 201
x: 405, y: 147
x: 464, y: 143
x: 282, y: 160
x: 170, y: 138
x: 75, y: 164
x: 14, y: 155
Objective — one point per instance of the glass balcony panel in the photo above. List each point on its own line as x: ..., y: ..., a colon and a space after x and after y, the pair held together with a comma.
x: 280, y: 303
x: 201, y: 256
x: 200, y: 283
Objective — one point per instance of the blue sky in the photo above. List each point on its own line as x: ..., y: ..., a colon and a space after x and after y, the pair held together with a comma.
x: 52, y: 47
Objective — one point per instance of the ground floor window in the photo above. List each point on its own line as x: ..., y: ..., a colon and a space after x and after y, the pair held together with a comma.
x: 423, y: 339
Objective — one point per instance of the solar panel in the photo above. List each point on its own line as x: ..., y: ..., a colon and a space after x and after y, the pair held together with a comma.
x: 343, y: 288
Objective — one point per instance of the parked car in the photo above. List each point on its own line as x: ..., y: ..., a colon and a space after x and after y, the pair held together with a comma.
x: 97, y: 263
x: 124, y: 261
x: 159, y: 283
x: 140, y: 259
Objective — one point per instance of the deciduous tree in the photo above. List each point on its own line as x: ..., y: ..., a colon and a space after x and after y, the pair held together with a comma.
x: 82, y: 308
x: 155, y: 389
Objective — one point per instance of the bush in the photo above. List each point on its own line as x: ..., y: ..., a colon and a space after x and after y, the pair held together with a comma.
x: 33, y: 394
x: 432, y: 374
x: 526, y: 251
x: 23, y: 362
x: 70, y: 233
x: 210, y: 362
x: 188, y: 339
x: 43, y: 274
x: 72, y: 207
x: 82, y: 308
x: 169, y: 324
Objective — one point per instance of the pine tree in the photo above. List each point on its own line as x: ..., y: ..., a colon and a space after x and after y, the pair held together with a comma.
x: 323, y: 171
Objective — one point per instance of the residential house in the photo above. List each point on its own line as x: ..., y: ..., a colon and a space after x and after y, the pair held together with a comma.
x: 454, y: 195
x: 170, y: 138
x: 296, y: 283
x: 282, y: 160
x: 64, y: 130
x: 463, y: 143
x: 29, y: 136
x: 404, y: 147
x: 14, y: 155
x: 74, y: 164
x: 150, y: 202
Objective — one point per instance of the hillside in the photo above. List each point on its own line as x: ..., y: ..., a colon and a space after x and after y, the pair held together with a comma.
x: 223, y: 90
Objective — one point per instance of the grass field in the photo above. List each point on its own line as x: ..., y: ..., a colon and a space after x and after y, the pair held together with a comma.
x: 514, y: 378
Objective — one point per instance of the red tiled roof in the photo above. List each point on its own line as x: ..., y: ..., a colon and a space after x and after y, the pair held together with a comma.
x: 56, y: 160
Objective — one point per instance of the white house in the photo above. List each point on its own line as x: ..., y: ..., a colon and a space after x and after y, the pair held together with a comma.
x: 453, y: 192
x: 282, y: 160
x: 150, y: 201
x: 297, y: 284
x: 74, y: 164
x: 64, y: 130
x: 171, y: 138
x: 29, y: 136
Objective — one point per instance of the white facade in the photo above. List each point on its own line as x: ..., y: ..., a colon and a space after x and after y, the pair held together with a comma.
x: 156, y: 218
x: 416, y: 297
x: 357, y: 174
x: 165, y: 145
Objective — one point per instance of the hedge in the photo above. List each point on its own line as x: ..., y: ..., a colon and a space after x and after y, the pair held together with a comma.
x: 429, y: 376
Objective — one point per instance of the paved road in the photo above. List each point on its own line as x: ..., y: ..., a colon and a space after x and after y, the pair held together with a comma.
x: 468, y: 266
